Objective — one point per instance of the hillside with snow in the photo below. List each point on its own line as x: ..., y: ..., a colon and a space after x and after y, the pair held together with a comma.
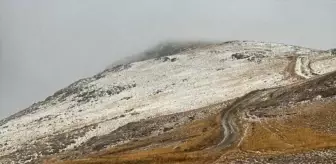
x: 165, y: 82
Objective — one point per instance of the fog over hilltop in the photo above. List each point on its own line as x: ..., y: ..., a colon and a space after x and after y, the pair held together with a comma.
x: 46, y: 45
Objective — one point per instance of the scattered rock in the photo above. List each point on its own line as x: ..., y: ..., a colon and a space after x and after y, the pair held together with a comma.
x: 135, y: 113
x: 173, y: 59
x: 93, y: 94
x: 157, y: 92
x: 254, y: 56
x: 165, y: 129
x: 126, y: 98
x: 254, y: 59
x: 239, y: 56
x: 191, y: 117
x: 129, y: 110
x: 165, y: 59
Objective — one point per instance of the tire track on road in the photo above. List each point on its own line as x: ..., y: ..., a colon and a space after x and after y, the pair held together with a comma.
x: 230, y: 127
x: 299, y: 67
x: 303, y: 67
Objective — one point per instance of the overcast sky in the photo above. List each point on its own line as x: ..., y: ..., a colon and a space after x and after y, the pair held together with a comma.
x: 45, y: 45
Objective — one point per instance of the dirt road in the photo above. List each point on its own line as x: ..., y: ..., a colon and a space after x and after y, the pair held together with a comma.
x: 298, y: 68
x: 229, y: 117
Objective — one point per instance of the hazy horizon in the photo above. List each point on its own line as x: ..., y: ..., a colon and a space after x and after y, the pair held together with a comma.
x: 46, y: 45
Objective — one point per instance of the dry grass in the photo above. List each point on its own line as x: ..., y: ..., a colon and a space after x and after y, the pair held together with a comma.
x: 285, y: 138
x: 310, y: 126
x: 183, y: 145
x: 302, y: 132
x: 319, y: 116
x: 190, y: 143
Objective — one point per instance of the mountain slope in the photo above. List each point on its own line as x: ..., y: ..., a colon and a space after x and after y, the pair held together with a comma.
x: 292, y: 123
x: 78, y: 117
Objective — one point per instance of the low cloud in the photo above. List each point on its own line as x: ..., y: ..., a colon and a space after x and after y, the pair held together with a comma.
x: 45, y: 45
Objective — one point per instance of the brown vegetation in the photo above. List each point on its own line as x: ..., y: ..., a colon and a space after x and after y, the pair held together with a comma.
x: 185, y: 145
x: 289, y: 121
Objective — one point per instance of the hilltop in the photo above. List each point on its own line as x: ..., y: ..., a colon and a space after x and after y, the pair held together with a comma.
x: 238, y: 101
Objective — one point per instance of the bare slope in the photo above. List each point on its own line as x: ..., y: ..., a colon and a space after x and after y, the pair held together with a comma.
x: 79, y: 115
x: 279, y: 125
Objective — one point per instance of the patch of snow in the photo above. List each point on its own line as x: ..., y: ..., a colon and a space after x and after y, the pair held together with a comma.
x: 324, y: 66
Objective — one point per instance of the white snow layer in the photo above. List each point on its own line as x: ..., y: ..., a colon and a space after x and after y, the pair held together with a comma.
x: 196, y: 79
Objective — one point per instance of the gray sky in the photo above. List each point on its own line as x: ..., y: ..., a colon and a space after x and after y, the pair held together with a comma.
x: 46, y: 45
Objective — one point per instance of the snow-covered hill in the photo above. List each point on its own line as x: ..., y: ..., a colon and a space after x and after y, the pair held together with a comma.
x: 185, y: 80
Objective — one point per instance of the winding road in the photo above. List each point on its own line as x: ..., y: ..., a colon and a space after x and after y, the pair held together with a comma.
x: 230, y: 128
x: 303, y: 67
x: 229, y: 115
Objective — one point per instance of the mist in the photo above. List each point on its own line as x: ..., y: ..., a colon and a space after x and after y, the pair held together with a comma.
x: 46, y: 45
